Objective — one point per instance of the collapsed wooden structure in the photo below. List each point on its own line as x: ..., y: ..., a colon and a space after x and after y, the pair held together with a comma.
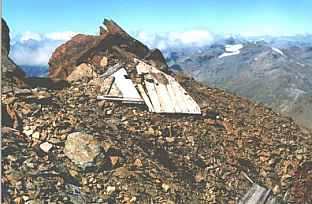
x: 259, y: 195
x: 160, y: 92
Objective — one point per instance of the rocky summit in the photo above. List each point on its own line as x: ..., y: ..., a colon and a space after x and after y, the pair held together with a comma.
x: 66, y: 146
x: 86, y: 48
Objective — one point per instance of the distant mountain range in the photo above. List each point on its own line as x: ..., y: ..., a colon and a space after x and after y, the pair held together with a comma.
x: 270, y: 70
x: 35, y: 70
x: 276, y: 71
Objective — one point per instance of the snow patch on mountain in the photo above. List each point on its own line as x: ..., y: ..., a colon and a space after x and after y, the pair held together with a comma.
x: 231, y: 50
x: 278, y: 51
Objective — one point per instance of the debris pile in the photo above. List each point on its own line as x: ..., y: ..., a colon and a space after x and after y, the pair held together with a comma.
x: 69, y: 147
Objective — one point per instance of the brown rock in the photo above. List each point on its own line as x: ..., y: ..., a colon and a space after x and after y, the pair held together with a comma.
x: 5, y: 38
x: 156, y: 58
x: 12, y: 76
x: 82, y: 71
x: 85, y: 48
x: 64, y: 58
x: 81, y: 148
x: 138, y: 163
x: 114, y: 160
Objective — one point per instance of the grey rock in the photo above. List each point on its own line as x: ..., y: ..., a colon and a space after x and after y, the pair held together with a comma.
x: 82, y: 149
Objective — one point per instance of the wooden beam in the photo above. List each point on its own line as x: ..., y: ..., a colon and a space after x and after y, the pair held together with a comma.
x: 112, y: 98
x: 111, y: 70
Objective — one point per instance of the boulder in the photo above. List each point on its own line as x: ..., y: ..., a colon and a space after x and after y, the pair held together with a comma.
x: 82, y: 149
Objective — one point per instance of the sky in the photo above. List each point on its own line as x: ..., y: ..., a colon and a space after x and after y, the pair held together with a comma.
x: 158, y: 23
x: 227, y: 16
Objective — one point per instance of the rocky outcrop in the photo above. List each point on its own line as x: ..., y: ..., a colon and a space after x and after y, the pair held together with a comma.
x: 113, y: 42
x: 12, y: 75
x: 5, y: 38
x: 64, y: 58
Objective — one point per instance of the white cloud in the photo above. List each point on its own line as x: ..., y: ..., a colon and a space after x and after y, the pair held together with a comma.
x: 36, y: 54
x: 60, y: 35
x: 196, y: 37
x: 176, y: 39
x: 31, y: 48
x: 30, y: 36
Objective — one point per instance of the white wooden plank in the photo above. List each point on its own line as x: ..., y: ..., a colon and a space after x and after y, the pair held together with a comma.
x: 178, y: 98
x: 188, y: 104
x: 256, y: 194
x: 184, y: 104
x: 111, y: 70
x: 169, y: 98
x: 175, y: 100
x: 145, y: 98
x: 112, y: 98
x: 166, y: 105
x: 114, y: 91
x: 125, y: 85
x: 153, y: 96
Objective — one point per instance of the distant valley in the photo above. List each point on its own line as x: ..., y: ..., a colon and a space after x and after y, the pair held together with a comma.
x: 35, y: 70
x: 273, y: 71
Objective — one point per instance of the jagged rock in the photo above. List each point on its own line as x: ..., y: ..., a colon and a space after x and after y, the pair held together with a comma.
x: 12, y: 76
x: 156, y: 58
x: 82, y: 148
x: 5, y: 38
x: 91, y: 49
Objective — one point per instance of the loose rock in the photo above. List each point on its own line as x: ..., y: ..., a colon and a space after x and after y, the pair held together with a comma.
x: 81, y: 148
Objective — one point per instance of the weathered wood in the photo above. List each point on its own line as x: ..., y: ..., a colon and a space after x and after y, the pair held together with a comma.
x: 145, y: 98
x: 111, y: 70
x: 258, y: 195
x: 165, y: 93
x: 110, y: 86
x: 121, y: 88
x: 152, y: 93
x: 112, y: 98
x: 125, y: 85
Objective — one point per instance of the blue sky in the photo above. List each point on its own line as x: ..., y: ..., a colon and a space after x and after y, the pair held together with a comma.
x: 227, y: 16
x: 39, y: 26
